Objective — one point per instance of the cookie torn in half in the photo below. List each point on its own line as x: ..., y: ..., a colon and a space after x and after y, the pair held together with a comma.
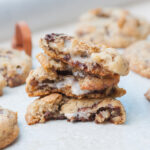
x: 40, y: 83
x: 97, y: 60
x: 57, y: 106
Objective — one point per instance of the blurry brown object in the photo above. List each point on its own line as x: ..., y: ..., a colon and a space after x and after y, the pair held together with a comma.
x: 22, y: 38
x: 147, y: 95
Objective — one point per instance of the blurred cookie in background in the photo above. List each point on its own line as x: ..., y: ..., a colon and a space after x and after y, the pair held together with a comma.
x: 2, y: 84
x: 138, y: 55
x: 14, y: 66
x: 9, y: 129
x: 114, y: 27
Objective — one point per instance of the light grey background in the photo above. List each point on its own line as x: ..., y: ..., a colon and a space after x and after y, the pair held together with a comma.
x: 41, y: 14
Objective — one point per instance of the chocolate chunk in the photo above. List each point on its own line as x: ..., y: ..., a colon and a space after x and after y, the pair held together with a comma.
x: 48, y: 115
x: 64, y: 72
x: 34, y: 82
x: 67, y: 57
x: 48, y: 81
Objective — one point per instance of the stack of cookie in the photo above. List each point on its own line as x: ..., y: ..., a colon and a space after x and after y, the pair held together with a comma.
x: 77, y: 81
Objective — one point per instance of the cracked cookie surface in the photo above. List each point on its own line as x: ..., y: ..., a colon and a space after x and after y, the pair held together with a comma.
x: 9, y: 129
x: 14, y: 66
x: 114, y: 27
x: 138, y: 55
x: 56, y: 106
x: 98, y: 60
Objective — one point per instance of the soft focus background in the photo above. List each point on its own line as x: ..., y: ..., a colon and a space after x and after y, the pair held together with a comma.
x: 44, y: 14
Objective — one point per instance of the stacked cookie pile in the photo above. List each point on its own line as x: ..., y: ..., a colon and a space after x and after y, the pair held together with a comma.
x: 77, y: 81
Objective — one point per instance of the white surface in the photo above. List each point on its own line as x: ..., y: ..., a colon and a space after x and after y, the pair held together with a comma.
x: 61, y: 135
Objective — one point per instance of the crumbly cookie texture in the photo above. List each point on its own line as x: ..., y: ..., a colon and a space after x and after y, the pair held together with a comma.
x: 112, y: 26
x: 147, y: 95
x: 43, y: 109
x: 138, y: 55
x: 86, y: 81
x: 2, y: 84
x: 14, y: 66
x: 9, y: 129
x: 40, y: 82
x: 99, y: 60
x: 98, y: 110
x: 56, y: 106
x: 48, y: 63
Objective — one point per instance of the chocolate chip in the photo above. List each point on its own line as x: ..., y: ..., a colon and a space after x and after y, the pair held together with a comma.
x: 48, y: 81
x: 64, y: 72
x: 1, y: 111
x: 48, y: 115
x: 67, y: 57
x: 34, y: 82
x: 50, y: 37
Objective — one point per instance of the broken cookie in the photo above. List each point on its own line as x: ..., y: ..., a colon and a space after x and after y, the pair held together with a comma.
x: 56, y: 106
x: 40, y: 83
x: 98, y: 60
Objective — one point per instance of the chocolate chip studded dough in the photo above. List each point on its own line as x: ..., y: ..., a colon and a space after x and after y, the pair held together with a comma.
x: 96, y: 60
x: 56, y: 106
x: 138, y: 55
x: 114, y: 27
x: 2, y: 84
x: 14, y: 66
x: 40, y: 82
x: 9, y: 129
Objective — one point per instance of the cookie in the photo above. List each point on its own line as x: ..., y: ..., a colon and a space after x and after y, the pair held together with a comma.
x: 40, y: 82
x: 43, y: 109
x: 56, y: 106
x: 147, y: 95
x: 86, y: 81
x: 138, y: 55
x: 14, y: 66
x: 114, y: 27
x: 9, y: 129
x: 97, y: 60
x: 2, y: 84
x: 98, y: 110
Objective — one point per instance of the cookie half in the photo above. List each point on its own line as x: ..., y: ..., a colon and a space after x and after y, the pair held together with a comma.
x: 14, y: 66
x: 40, y: 83
x: 138, y: 55
x: 9, y: 129
x: 114, y: 27
x: 86, y: 57
x: 56, y: 106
